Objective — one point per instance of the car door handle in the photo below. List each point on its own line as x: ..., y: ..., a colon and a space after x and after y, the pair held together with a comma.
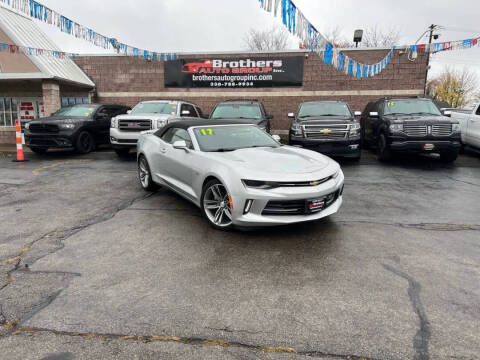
x: 163, y: 151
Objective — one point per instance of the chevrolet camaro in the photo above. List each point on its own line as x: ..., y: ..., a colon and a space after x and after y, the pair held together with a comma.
x: 239, y: 175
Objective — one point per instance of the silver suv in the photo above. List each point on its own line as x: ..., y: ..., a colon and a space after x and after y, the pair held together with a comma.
x: 147, y: 115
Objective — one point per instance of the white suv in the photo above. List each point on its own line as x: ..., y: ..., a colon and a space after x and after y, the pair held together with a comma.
x: 147, y: 115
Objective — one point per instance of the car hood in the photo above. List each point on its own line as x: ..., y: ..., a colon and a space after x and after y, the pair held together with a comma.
x: 145, y: 116
x: 59, y: 119
x: 246, y: 121
x: 274, y: 163
x: 419, y: 119
x: 326, y: 120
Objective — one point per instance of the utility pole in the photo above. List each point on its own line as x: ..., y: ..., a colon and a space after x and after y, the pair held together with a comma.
x: 432, y: 29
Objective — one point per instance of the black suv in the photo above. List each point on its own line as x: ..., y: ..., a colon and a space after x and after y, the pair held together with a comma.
x: 328, y: 127
x: 409, y: 125
x: 81, y: 127
x: 249, y: 110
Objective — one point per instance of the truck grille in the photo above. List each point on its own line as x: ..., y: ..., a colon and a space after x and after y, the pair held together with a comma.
x: 442, y: 130
x: 415, y: 130
x: 326, y: 132
x: 135, y: 125
x: 43, y: 128
x: 296, y: 207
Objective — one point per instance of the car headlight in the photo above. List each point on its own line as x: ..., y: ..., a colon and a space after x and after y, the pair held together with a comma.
x: 355, y: 129
x: 456, y: 127
x: 396, y: 127
x: 27, y: 126
x: 160, y: 124
x: 66, y: 126
x: 337, y: 174
x: 113, y: 123
x: 297, y: 129
x: 264, y: 185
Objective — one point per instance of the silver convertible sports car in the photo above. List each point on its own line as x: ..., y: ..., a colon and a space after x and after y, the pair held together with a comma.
x: 239, y: 175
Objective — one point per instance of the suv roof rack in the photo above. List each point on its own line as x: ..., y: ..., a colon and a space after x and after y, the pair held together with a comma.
x: 174, y: 100
x: 405, y: 97
x: 235, y: 100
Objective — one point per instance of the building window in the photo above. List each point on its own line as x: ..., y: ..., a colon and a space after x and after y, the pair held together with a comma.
x: 8, y: 111
x: 70, y: 100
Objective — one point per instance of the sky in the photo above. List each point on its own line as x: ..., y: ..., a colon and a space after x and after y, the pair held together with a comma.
x: 220, y: 25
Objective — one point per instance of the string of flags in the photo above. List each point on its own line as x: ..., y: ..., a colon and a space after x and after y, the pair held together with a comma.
x: 298, y: 25
x: 36, y: 10
x: 15, y: 49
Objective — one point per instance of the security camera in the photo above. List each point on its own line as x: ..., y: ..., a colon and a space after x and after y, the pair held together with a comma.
x: 306, y: 56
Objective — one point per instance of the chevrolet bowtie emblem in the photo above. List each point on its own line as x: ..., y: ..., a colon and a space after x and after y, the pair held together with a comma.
x: 314, y: 183
x: 326, y: 131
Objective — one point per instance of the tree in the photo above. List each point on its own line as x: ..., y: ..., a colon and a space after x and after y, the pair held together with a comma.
x: 271, y: 39
x: 374, y: 36
x: 456, y: 87
x: 335, y: 36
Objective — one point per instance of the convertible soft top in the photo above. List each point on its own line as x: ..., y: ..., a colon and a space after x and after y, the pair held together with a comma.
x: 186, y: 124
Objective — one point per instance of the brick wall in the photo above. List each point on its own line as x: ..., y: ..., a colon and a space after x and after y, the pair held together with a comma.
x: 126, y: 80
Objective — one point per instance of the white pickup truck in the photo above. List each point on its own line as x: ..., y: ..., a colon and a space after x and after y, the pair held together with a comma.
x: 470, y: 125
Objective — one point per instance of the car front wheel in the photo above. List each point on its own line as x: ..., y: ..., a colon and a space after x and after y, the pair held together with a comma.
x: 216, y: 205
x: 383, y: 151
x: 145, y: 175
x: 85, y: 143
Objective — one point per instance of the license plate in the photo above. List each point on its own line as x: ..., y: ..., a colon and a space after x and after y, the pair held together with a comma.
x: 315, y: 205
x: 428, y: 147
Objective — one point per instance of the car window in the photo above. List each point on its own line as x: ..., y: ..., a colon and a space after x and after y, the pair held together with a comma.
x: 478, y: 111
x: 189, y: 108
x: 199, y: 111
x: 76, y: 111
x: 237, y: 111
x: 323, y: 109
x: 177, y: 134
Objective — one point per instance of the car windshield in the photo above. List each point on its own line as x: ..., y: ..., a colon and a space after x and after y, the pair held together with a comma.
x: 411, y: 107
x: 237, y: 111
x: 232, y: 137
x: 323, y: 109
x: 76, y: 111
x: 155, y: 108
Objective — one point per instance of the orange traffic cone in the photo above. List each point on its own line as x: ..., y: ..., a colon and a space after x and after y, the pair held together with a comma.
x: 18, y: 130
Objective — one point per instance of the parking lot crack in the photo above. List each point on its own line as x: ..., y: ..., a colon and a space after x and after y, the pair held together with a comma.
x: 422, y: 337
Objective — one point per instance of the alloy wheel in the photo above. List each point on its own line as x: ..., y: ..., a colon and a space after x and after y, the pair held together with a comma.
x: 216, y: 204
x: 144, y: 172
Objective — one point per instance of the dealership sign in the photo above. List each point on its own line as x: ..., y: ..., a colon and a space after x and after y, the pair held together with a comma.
x: 234, y: 72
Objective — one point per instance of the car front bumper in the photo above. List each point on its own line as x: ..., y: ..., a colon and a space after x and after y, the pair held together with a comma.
x: 61, y: 141
x: 259, y: 214
x: 123, y: 139
x: 425, y: 146
x: 334, y: 148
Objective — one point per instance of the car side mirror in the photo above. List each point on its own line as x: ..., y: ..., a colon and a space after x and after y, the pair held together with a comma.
x: 181, y: 145
x: 129, y: 112
x: 291, y: 115
x: 185, y: 112
x: 101, y: 117
x: 276, y: 138
x: 358, y: 113
x: 447, y: 113
x: 269, y: 117
x: 374, y: 114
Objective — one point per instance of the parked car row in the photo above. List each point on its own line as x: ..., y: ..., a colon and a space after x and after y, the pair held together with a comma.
x: 390, y: 126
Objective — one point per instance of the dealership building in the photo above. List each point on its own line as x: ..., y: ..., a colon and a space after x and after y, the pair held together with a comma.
x: 33, y: 86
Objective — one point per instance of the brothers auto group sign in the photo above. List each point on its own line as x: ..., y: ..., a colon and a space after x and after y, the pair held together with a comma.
x: 234, y: 72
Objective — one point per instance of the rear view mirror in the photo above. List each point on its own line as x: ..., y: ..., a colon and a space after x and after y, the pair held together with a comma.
x: 185, y: 112
x: 374, y: 114
x: 447, y: 113
x: 291, y: 115
x: 358, y: 113
x: 181, y: 145
x: 276, y: 138
x: 269, y: 117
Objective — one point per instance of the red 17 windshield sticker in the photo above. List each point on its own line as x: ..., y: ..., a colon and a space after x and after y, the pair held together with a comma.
x: 234, y: 72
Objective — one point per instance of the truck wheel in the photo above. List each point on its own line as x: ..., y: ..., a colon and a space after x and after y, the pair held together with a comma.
x: 448, y: 157
x: 383, y: 151
x: 39, y: 150
x: 122, y: 152
x: 85, y: 143
x: 363, y: 141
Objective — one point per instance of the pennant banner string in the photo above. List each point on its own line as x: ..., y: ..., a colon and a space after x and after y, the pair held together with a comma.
x: 36, y: 10
x: 298, y: 25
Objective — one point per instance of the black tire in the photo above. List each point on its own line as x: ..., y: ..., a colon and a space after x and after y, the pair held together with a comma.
x: 363, y: 141
x: 448, y: 157
x: 85, y: 143
x: 39, y: 150
x: 145, y: 175
x: 224, y: 205
x: 383, y: 150
x: 122, y: 152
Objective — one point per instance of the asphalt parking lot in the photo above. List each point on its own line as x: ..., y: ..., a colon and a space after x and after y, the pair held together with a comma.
x: 92, y: 267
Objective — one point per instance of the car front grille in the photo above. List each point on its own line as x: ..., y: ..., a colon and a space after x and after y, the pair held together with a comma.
x: 135, y: 125
x: 296, y: 207
x: 442, y: 130
x: 415, y: 130
x: 326, y: 132
x: 43, y: 128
